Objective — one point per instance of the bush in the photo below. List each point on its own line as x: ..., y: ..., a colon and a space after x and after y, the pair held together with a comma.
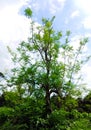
x: 58, y: 120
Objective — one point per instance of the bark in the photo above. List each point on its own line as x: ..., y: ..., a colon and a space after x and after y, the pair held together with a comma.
x: 47, y: 87
x: 48, y: 102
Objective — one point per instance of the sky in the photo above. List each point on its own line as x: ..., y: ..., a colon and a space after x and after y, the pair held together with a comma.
x: 73, y: 15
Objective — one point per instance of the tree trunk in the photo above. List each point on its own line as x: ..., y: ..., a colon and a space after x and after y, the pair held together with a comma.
x: 48, y: 102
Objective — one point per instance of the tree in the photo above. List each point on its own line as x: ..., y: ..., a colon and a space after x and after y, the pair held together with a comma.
x: 84, y: 104
x: 47, y: 63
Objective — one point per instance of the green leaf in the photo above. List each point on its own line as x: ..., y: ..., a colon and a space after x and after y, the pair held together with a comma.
x: 28, y: 12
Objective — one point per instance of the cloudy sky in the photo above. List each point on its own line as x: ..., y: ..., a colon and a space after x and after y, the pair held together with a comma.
x: 74, y: 15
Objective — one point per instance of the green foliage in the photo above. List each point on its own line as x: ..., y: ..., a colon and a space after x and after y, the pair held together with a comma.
x: 80, y: 121
x: 85, y: 104
x: 28, y: 12
x: 70, y: 103
x: 5, y: 114
x: 44, y: 81
x: 30, y: 114
x: 45, y: 61
x: 58, y: 120
x: 10, y: 126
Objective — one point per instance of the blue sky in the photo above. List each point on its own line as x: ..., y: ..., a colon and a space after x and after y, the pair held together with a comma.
x: 73, y: 15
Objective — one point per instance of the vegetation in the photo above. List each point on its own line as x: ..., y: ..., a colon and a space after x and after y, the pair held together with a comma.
x: 44, y: 92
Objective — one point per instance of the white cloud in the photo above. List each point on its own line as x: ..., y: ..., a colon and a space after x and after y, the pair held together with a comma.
x: 13, y: 29
x: 36, y: 6
x: 86, y: 70
x: 84, y: 6
x: 87, y: 22
x: 13, y: 26
x: 5, y: 3
x: 56, y: 5
x: 75, y: 14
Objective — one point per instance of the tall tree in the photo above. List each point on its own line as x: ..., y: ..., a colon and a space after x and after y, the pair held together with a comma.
x: 47, y: 62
